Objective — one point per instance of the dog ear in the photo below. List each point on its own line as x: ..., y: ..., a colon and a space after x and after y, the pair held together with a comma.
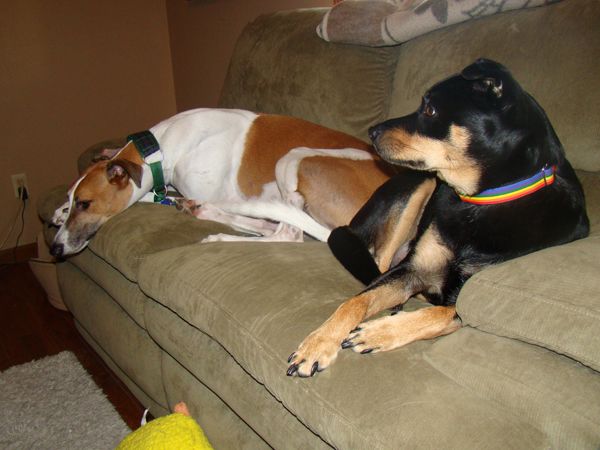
x: 105, y: 154
x: 481, y: 68
x: 492, y: 85
x: 119, y: 171
x: 489, y: 77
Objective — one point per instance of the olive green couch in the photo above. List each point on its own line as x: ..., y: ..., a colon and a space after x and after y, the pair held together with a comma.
x: 212, y: 324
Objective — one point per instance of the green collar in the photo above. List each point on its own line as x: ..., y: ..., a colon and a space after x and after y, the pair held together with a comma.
x: 147, y: 145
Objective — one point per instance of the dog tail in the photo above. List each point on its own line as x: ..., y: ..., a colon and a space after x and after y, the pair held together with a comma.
x: 279, y: 211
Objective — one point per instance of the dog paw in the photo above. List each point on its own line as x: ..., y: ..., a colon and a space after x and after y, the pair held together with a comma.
x: 186, y: 205
x: 315, y: 354
x: 396, y: 331
x: 220, y: 237
x: 375, y: 336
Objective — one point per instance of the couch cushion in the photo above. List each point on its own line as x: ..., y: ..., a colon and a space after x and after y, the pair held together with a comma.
x: 258, y: 301
x: 49, y: 201
x: 128, y: 345
x: 218, y: 372
x: 222, y: 427
x: 128, y: 237
x: 46, y: 205
x: 550, y: 298
x: 90, y: 155
x: 145, y: 228
x: 547, y: 49
x: 126, y: 293
x: 528, y: 380
x: 280, y: 66
x: 591, y: 187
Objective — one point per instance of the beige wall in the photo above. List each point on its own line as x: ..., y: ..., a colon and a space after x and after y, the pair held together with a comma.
x: 203, y: 35
x: 73, y: 72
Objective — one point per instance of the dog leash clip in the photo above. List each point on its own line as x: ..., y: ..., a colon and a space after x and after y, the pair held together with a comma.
x: 159, y: 194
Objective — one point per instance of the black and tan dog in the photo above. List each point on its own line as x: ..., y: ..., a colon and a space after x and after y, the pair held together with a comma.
x: 491, y: 183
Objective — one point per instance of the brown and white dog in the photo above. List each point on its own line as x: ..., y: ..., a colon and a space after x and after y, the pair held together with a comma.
x: 237, y: 167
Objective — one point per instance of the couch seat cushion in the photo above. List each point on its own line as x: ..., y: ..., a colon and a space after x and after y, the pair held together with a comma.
x: 559, y: 395
x: 550, y: 298
x: 127, y: 345
x: 145, y: 228
x: 259, y: 300
x: 126, y: 293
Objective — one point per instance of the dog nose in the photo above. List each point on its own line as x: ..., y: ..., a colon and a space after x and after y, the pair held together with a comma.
x: 57, y: 250
x: 375, y: 132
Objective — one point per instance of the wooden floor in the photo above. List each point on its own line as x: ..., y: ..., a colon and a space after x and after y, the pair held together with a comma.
x: 30, y: 328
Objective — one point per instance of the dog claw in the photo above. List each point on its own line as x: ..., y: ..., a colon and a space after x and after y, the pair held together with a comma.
x: 315, y: 368
x: 356, y: 330
x: 396, y: 309
x: 291, y: 357
x: 365, y: 351
x: 292, y: 370
x: 347, y: 343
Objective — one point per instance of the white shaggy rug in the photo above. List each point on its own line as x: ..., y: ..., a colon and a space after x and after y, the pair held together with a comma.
x: 53, y: 403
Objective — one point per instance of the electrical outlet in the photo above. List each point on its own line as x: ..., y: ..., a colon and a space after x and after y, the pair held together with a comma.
x: 19, y: 180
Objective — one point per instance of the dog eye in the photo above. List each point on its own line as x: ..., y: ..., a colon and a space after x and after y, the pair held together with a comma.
x: 82, y: 205
x: 429, y: 111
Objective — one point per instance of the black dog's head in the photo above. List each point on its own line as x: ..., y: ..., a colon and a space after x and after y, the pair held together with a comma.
x: 476, y: 130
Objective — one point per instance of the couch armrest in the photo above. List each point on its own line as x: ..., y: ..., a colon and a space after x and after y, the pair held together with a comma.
x: 90, y: 155
x: 47, y: 203
x: 550, y: 298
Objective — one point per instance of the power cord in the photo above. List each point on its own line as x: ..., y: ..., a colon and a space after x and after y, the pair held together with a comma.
x: 12, y: 227
x: 23, y: 196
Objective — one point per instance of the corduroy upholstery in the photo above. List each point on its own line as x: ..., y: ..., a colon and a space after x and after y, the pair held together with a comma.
x: 213, y: 324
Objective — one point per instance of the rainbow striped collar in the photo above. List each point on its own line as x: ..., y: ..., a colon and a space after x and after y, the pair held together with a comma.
x: 513, y: 191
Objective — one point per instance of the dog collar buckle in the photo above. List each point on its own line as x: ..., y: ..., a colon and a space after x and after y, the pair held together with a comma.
x: 545, y: 173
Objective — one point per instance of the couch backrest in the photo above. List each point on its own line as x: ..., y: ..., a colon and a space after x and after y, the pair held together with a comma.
x: 553, y: 51
x: 281, y: 66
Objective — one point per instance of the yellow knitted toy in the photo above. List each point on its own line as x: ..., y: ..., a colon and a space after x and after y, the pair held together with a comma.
x: 175, y: 431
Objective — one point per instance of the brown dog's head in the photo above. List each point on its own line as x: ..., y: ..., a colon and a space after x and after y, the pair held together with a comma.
x: 104, y: 190
x: 473, y: 129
